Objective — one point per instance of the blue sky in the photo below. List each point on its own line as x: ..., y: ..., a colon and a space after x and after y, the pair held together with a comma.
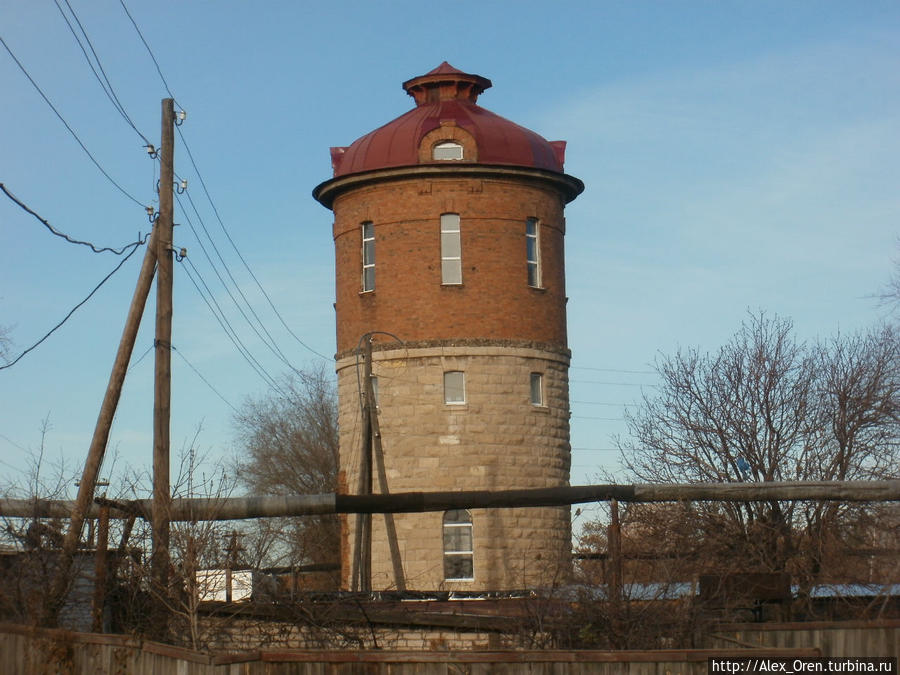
x: 737, y: 156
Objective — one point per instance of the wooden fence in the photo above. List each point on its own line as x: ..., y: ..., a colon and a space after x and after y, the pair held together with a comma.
x: 31, y: 651
x: 834, y: 638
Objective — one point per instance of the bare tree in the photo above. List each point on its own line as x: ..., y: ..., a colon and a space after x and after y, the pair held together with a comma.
x: 766, y: 407
x: 290, y: 446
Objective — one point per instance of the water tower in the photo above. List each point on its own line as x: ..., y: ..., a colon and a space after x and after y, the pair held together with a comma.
x: 448, y: 233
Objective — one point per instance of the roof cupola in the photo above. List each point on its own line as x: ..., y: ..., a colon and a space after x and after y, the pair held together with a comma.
x: 446, y: 131
x: 445, y: 83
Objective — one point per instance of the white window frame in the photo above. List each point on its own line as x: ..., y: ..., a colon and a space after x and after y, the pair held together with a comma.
x: 451, y: 250
x: 451, y: 387
x: 460, y: 522
x: 536, y: 389
x: 447, y: 151
x: 367, y: 230
x: 533, y: 251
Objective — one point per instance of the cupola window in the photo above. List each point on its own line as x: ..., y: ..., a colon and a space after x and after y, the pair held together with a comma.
x: 447, y: 150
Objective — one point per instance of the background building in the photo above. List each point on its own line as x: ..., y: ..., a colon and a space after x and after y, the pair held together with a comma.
x: 448, y: 230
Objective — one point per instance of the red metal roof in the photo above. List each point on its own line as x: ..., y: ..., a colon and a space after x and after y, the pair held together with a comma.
x: 446, y: 94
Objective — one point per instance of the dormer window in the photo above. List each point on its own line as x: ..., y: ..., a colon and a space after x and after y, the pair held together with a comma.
x: 447, y: 150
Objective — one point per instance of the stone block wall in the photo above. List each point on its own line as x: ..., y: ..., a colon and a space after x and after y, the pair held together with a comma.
x: 496, y: 440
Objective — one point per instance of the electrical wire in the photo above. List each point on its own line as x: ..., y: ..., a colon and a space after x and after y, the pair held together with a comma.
x: 75, y: 308
x: 68, y: 126
x: 149, y: 51
x: 615, y: 384
x: 205, y: 381
x: 616, y: 370
x: 270, y: 343
x: 140, y: 358
x: 105, y: 84
x: 209, y: 197
x: 240, y: 256
x: 95, y: 249
x: 228, y: 329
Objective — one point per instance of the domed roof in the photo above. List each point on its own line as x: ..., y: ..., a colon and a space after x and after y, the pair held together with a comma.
x: 446, y: 98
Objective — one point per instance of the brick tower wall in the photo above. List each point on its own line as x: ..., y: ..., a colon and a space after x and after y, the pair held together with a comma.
x: 496, y: 329
x: 494, y: 301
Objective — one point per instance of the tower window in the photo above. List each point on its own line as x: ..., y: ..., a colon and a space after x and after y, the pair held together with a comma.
x: 454, y: 387
x: 447, y: 150
x: 451, y: 250
x: 537, y: 389
x: 458, y: 550
x: 533, y: 251
x: 368, y: 256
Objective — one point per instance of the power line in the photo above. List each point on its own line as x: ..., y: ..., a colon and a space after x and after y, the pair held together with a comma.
x: 240, y: 256
x: 205, y: 381
x: 228, y: 328
x: 271, y: 344
x: 596, y: 449
x: 616, y: 370
x: 149, y: 51
x: 68, y: 127
x: 209, y: 197
x: 140, y: 358
x: 105, y: 84
x: 95, y: 249
x: 73, y: 310
x: 615, y: 384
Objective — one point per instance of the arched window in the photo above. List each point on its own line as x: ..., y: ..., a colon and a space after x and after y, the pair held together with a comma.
x: 447, y: 150
x: 458, y: 540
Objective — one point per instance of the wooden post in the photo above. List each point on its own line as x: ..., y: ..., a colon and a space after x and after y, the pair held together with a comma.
x: 614, y: 580
x: 100, y: 570
x: 162, y: 383
x: 364, y: 521
x: 378, y: 452
x: 59, y: 585
x: 614, y: 546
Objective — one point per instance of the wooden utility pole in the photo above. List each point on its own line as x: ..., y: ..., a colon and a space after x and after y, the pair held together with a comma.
x: 614, y: 546
x: 362, y: 563
x: 78, y: 510
x: 163, y: 377
x: 378, y: 453
x: 100, y: 567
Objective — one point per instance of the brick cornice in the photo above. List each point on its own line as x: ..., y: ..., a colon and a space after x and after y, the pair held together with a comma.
x: 568, y: 186
x: 461, y: 347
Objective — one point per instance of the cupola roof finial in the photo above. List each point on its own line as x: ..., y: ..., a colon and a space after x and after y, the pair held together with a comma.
x: 443, y: 83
